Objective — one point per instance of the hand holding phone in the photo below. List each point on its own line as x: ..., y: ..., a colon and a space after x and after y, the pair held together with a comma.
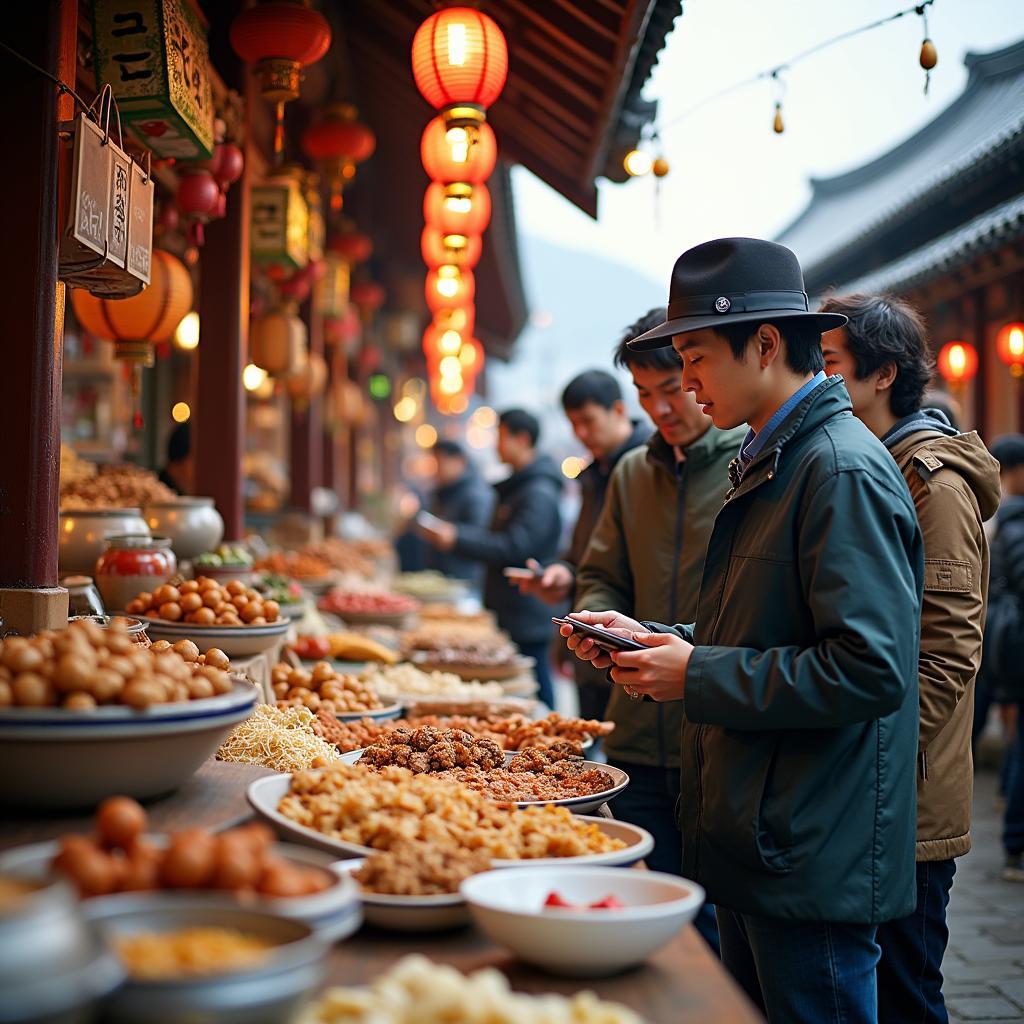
x: 514, y: 572
x: 603, y: 638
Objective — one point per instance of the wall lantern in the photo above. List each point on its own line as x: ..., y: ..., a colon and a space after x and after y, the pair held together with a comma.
x: 957, y: 362
x: 447, y: 287
x: 1010, y: 347
x: 337, y: 142
x: 457, y: 209
x: 458, y: 154
x: 438, y: 248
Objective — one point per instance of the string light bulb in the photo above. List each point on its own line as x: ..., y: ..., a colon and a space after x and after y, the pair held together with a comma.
x: 637, y: 163
x: 777, y: 124
x: 660, y: 167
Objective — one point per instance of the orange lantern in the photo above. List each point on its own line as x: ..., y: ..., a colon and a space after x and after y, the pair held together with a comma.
x: 280, y: 38
x: 457, y: 208
x: 278, y: 341
x: 458, y: 154
x: 1010, y: 347
x: 438, y: 248
x: 957, y: 362
x: 447, y: 287
x: 135, y: 325
x: 308, y: 381
x: 460, y: 62
x: 337, y: 143
x: 439, y: 342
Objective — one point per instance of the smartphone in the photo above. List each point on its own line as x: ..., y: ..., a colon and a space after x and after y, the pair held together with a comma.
x: 513, y: 572
x: 428, y: 521
x: 603, y: 638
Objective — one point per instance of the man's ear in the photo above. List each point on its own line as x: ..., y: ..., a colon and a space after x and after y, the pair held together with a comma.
x: 769, y: 344
x: 885, y: 376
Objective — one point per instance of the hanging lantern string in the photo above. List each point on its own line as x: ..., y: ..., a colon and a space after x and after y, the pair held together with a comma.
x: 62, y: 86
x: 774, y: 71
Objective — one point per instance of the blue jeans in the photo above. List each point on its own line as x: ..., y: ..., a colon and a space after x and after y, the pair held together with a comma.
x: 1013, y: 787
x: 542, y: 670
x: 910, y: 971
x: 650, y: 802
x: 803, y: 972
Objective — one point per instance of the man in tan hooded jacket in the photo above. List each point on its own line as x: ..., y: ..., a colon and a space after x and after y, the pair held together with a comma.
x: 882, y: 353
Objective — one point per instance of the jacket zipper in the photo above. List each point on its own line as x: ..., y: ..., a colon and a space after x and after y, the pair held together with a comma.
x: 922, y: 759
x: 673, y: 601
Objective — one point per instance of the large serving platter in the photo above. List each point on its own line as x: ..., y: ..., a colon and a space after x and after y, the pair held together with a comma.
x: 265, y: 794
x: 474, y: 673
x: 234, y: 641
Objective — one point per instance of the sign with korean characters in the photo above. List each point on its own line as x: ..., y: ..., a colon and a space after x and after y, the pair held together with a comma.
x: 279, y: 232
x: 154, y: 56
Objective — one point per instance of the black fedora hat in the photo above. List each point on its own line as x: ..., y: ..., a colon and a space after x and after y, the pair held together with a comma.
x: 734, y: 281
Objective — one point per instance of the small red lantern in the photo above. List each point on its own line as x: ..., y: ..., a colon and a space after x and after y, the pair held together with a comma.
x: 342, y: 330
x: 1010, y: 347
x: 198, y: 197
x: 457, y: 209
x: 228, y: 163
x: 458, y: 154
x: 439, y: 342
x: 337, y: 143
x: 460, y: 61
x: 280, y: 38
x: 352, y: 246
x: 437, y: 249
x: 457, y: 318
x: 368, y: 296
x: 447, y: 287
x: 957, y: 362
x: 471, y: 355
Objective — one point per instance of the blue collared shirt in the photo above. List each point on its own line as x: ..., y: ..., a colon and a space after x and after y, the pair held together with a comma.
x: 753, y: 443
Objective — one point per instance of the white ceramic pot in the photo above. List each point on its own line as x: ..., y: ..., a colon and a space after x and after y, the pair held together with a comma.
x: 83, y: 535
x: 193, y: 524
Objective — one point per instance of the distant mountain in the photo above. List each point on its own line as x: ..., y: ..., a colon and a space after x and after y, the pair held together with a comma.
x: 580, y: 305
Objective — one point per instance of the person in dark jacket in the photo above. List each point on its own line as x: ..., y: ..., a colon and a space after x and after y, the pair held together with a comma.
x: 882, y: 355
x: 799, y: 676
x: 462, y: 497
x: 177, y: 471
x: 1006, y: 614
x: 593, y: 403
x: 526, y: 524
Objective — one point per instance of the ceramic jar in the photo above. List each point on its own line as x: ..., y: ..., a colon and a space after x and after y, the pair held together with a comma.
x: 83, y: 534
x: 131, y: 564
x: 193, y: 524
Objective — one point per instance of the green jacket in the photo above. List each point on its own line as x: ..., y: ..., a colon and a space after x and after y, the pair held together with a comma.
x: 645, y: 558
x: 800, y: 738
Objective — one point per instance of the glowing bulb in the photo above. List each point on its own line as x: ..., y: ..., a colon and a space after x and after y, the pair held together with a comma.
x: 458, y: 141
x: 457, y: 44
x: 637, y: 163
x: 455, y: 241
x: 186, y: 334
x: 484, y: 417
x: 467, y: 356
x: 448, y: 281
x: 957, y: 359
x: 458, y: 204
x: 253, y: 376
x: 450, y: 366
x: 1016, y: 342
x: 450, y: 343
x: 572, y: 467
x: 426, y: 435
x: 181, y: 412
x: 458, y: 405
x: 405, y: 409
x: 450, y: 385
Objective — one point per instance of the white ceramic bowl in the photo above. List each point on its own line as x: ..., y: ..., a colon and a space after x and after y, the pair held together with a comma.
x: 193, y: 524
x: 265, y: 794
x: 409, y: 913
x: 51, y: 757
x: 508, y: 907
x: 384, y: 714
x: 234, y: 641
x: 334, y: 912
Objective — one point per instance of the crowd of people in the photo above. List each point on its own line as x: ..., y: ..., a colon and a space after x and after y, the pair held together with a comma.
x: 805, y: 549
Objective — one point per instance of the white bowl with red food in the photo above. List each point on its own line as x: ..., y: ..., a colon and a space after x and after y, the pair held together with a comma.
x: 578, y: 920
x: 372, y: 607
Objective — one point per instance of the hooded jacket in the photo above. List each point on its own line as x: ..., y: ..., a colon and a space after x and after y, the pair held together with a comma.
x: 954, y: 483
x: 468, y: 501
x: 526, y: 524
x: 799, y: 739
x: 645, y: 558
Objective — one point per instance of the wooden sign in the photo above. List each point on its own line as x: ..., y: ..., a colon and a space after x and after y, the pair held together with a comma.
x: 154, y: 56
x: 90, y: 187
x: 140, y: 224
x: 279, y: 231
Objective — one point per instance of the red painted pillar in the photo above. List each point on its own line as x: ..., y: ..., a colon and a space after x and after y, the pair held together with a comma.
x: 30, y: 385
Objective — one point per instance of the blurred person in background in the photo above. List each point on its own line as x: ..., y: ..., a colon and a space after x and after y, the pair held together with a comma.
x: 177, y: 471
x: 594, y: 407
x: 526, y: 524
x: 882, y: 355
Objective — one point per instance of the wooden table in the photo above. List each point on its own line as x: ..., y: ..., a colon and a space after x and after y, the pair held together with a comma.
x: 681, y: 984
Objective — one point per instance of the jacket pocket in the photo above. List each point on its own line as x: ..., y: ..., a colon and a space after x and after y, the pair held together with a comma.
x: 743, y: 815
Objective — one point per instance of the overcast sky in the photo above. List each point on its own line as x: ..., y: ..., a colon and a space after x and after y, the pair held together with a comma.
x: 730, y: 174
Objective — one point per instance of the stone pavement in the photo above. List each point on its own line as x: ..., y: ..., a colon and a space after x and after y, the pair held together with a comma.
x: 984, y: 965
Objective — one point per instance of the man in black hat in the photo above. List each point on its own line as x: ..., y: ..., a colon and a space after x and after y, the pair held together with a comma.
x: 799, y: 677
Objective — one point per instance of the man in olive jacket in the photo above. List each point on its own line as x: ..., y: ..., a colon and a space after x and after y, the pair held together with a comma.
x: 799, y: 676
x: 881, y: 354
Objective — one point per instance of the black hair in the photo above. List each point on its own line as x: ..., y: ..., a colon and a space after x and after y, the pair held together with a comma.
x: 803, y: 342
x: 884, y: 329
x: 596, y: 386
x: 664, y: 358
x: 1008, y: 451
x: 519, y: 421
x: 179, y: 443
x: 945, y: 404
x: 452, y: 448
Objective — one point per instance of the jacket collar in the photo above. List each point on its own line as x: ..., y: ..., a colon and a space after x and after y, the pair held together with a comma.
x: 828, y: 399
x: 637, y: 436
x: 705, y: 449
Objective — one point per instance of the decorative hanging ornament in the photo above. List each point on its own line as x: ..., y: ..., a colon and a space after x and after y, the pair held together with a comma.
x: 457, y: 153
x: 448, y: 287
x: 777, y: 125
x: 368, y: 296
x: 437, y: 248
x: 280, y: 38
x: 1010, y: 348
x: 228, y: 163
x: 457, y: 208
x: 660, y: 167
x: 337, y: 143
x: 352, y: 246
x: 779, y: 88
x: 460, y: 63
x: 278, y: 340
x: 957, y: 363
x: 929, y: 55
x: 198, y: 198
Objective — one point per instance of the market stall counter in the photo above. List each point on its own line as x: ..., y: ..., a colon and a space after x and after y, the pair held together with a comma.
x: 682, y: 982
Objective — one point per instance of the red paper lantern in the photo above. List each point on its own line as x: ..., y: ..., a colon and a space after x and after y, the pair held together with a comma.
x: 197, y: 194
x: 337, y: 143
x: 368, y: 296
x: 957, y: 362
x: 342, y: 330
x: 459, y: 58
x: 352, y: 246
x: 439, y: 342
x: 457, y: 209
x: 458, y: 154
x: 459, y: 318
x: 471, y: 355
x: 1010, y: 347
x: 447, y: 287
x: 228, y: 163
x: 437, y: 249
x: 280, y: 38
